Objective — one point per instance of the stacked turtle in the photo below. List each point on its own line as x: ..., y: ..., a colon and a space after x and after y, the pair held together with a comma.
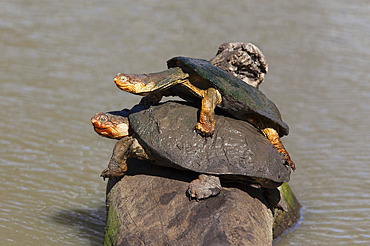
x: 240, y: 142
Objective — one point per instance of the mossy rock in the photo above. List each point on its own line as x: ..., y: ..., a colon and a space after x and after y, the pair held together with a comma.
x: 152, y: 208
x: 111, y: 230
x: 285, y: 220
x: 149, y: 206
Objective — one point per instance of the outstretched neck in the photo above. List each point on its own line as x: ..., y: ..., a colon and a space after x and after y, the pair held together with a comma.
x: 165, y: 79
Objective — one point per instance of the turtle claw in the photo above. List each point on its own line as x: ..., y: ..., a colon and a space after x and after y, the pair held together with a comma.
x: 107, y: 173
x: 289, y: 162
x: 206, y: 130
x: 203, y: 187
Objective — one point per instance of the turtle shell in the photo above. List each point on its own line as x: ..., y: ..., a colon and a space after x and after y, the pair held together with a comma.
x: 240, y: 99
x: 237, y: 150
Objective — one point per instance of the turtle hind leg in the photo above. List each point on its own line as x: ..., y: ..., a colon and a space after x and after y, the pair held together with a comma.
x: 274, y: 138
x: 204, y: 187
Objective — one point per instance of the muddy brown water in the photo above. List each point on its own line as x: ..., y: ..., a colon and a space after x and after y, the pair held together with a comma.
x: 57, y: 61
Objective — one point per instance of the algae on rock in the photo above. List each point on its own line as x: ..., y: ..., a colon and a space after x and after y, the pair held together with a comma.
x: 111, y: 230
x: 285, y: 220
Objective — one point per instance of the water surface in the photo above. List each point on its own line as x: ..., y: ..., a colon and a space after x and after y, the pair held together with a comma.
x: 57, y: 62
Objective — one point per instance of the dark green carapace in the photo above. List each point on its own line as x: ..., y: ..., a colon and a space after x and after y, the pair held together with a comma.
x: 238, y: 98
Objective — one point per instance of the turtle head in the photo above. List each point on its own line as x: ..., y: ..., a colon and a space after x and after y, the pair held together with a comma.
x: 110, y: 125
x: 133, y: 83
x: 122, y: 80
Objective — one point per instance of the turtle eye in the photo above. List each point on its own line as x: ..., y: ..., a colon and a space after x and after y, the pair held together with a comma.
x: 103, y: 119
x: 123, y: 78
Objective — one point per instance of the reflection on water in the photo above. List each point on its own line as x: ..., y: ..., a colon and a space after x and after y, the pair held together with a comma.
x: 57, y: 64
x: 87, y: 223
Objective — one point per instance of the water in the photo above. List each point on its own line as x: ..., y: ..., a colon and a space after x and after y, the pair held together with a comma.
x: 57, y: 62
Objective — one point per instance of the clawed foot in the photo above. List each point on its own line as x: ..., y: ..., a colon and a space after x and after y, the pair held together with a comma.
x: 287, y: 159
x: 206, y: 130
x: 204, y: 187
x: 290, y: 162
x: 108, y: 173
x: 274, y: 138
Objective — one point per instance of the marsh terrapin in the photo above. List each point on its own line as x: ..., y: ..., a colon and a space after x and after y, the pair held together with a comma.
x: 164, y: 135
x: 193, y: 79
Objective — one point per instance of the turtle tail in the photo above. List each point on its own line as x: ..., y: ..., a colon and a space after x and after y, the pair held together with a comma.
x: 274, y: 138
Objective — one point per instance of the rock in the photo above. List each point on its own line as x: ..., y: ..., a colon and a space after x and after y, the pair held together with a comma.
x: 285, y: 220
x: 149, y: 206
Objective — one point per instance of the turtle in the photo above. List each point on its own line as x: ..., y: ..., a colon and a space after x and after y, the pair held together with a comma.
x: 198, y: 80
x: 164, y: 136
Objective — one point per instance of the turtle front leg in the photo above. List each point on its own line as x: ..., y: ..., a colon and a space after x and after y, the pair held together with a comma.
x: 127, y: 147
x: 207, y: 121
x: 210, y: 99
x: 117, y: 165
x: 152, y: 98
x: 204, y: 187
x: 274, y: 138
